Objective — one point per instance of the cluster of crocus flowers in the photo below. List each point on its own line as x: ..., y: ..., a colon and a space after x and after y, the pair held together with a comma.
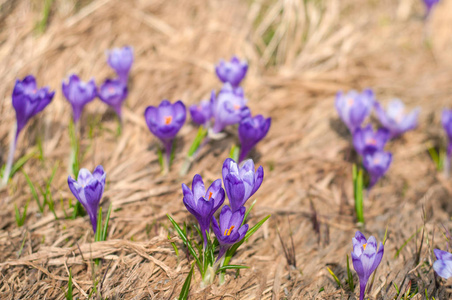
x: 229, y: 107
x: 88, y: 189
x: 443, y: 263
x: 28, y: 100
x: 240, y: 183
x: 165, y: 121
x: 366, y: 257
x: 354, y: 108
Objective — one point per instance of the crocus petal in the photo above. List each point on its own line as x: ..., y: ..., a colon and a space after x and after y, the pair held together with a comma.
x: 443, y: 268
x: 198, y: 187
x: 235, y: 190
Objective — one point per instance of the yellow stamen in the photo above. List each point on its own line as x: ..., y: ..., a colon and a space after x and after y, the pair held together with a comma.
x: 168, y: 120
x: 228, y: 231
x: 364, y: 246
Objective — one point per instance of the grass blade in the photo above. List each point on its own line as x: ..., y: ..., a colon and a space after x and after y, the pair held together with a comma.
x: 186, y: 287
x: 228, y: 267
x: 107, y: 219
x: 334, y: 277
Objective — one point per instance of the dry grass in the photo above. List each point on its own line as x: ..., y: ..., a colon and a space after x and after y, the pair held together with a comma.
x: 300, y: 54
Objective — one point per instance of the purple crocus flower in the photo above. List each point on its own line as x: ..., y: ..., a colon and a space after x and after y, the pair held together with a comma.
x: 88, y: 190
x: 201, y: 203
x: 230, y: 229
x: 429, y: 4
x: 79, y: 93
x: 229, y: 107
x: 202, y: 113
x: 113, y: 92
x: 232, y: 72
x: 121, y: 59
x: 446, y: 120
x: 367, y: 140
x: 28, y: 100
x: 241, y: 182
x: 443, y: 265
x: 394, y: 118
x: 377, y: 164
x: 354, y: 107
x: 165, y: 121
x: 366, y: 258
x: 251, y: 131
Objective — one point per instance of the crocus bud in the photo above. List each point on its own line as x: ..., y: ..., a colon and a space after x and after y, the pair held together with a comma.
x: 201, y: 203
x: 376, y: 164
x: 202, y: 113
x: 242, y: 182
x: 443, y: 264
x: 113, y: 92
x: 121, y: 59
x: 88, y: 190
x: 28, y: 100
x: 79, y: 93
x: 251, y: 131
x: 229, y: 107
x: 366, y: 257
x: 231, y: 72
x: 394, y: 118
x: 367, y: 140
x: 230, y: 229
x: 353, y: 107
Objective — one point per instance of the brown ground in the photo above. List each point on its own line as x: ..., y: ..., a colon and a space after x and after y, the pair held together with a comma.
x: 294, y: 74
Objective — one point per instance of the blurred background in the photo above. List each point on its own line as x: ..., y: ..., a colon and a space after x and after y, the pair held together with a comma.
x: 300, y: 53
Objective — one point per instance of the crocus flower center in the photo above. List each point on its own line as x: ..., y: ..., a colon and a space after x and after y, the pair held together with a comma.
x: 364, y: 246
x: 111, y: 90
x: 350, y: 102
x: 371, y: 141
x: 236, y: 106
x: 227, y: 232
x: 34, y: 91
x: 376, y: 160
x: 210, y: 195
x: 168, y: 120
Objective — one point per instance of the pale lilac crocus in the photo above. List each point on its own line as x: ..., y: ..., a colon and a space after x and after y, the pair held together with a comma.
x: 88, y: 189
x: 443, y: 264
x: 367, y: 140
x: 376, y: 164
x: 365, y: 257
x: 395, y: 119
x: 229, y: 107
x: 121, y: 59
x: 353, y: 107
x: 232, y: 72
x: 78, y: 94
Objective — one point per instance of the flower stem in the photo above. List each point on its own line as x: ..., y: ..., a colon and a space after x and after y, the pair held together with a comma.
x: 12, y: 148
x: 243, y: 154
x: 168, y: 152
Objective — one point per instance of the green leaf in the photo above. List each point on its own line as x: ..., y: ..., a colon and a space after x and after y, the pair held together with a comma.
x: 107, y: 219
x: 253, y: 229
x: 358, y: 193
x: 186, y: 241
x: 351, y: 284
x: 186, y: 287
x: 33, y: 192
x: 234, y: 153
x: 224, y: 268
x: 21, y: 161
x: 334, y: 277
x: 248, y: 211
x: 69, y: 287
x: 98, y: 233
x: 202, y: 132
